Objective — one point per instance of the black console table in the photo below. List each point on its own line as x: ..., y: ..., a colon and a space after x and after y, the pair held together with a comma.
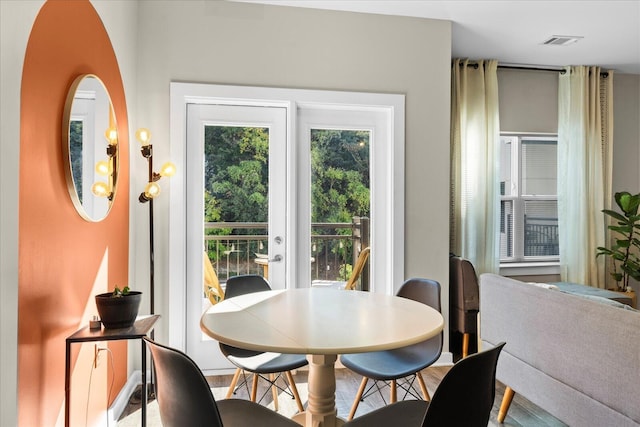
x: 140, y: 329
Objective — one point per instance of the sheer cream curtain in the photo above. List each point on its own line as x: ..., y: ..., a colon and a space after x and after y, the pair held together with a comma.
x: 475, y: 147
x: 585, y: 135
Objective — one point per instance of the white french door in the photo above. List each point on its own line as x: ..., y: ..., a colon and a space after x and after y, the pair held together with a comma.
x: 373, y: 125
x: 291, y: 118
x: 210, y: 129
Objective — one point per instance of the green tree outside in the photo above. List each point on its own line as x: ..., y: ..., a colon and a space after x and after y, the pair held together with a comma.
x: 237, y: 181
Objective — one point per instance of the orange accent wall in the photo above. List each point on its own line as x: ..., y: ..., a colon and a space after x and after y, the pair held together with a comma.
x: 63, y: 258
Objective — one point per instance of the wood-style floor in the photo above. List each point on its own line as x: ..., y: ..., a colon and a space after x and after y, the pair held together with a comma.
x: 521, y: 413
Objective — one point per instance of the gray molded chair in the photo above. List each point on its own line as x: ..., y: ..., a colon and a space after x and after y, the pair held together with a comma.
x: 268, y: 368
x: 463, y: 398
x: 464, y: 300
x: 184, y: 396
x: 393, y: 365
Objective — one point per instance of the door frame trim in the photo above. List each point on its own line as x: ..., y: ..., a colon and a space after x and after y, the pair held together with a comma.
x: 182, y: 94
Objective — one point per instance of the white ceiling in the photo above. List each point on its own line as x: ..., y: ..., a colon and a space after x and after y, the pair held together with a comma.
x: 513, y: 31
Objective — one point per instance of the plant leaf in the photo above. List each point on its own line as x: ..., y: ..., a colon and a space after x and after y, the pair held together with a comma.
x: 615, y: 215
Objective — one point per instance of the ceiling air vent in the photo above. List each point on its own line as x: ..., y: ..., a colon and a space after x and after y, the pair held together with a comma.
x: 561, y: 40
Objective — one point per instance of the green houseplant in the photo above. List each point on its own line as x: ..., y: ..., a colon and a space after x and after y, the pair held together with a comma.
x: 624, y: 253
x: 118, y: 309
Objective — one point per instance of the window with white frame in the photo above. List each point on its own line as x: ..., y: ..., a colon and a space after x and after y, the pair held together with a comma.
x: 529, y: 201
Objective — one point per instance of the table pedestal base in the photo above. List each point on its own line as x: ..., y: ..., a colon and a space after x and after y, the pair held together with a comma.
x: 321, y: 408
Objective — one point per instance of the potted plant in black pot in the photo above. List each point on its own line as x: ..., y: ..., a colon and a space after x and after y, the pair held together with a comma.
x: 625, y: 252
x: 118, y: 309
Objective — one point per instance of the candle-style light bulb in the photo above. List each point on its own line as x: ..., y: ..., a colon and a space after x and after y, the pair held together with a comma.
x: 168, y: 169
x: 151, y: 190
x: 143, y: 135
x: 101, y: 189
x: 103, y: 168
x: 112, y: 136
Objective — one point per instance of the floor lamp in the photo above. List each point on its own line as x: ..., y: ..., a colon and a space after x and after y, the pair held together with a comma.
x: 151, y: 190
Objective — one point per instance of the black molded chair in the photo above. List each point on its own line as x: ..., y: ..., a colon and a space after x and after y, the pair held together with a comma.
x: 393, y: 365
x: 268, y: 366
x: 463, y: 398
x: 184, y: 396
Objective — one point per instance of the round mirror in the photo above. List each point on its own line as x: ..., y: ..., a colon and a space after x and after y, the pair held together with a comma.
x: 90, y: 147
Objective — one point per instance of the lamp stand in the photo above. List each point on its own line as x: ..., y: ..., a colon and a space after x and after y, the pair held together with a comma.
x: 151, y: 190
x: 148, y: 154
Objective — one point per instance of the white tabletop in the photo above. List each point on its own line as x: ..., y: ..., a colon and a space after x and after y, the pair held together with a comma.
x: 320, y: 321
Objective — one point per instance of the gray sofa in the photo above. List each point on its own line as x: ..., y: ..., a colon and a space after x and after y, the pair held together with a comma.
x: 577, y: 358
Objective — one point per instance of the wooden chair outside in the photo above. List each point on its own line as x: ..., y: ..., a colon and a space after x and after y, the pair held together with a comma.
x: 357, y: 269
x: 212, y: 289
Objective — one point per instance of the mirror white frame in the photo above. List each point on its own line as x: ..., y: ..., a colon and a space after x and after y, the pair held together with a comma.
x: 89, y: 145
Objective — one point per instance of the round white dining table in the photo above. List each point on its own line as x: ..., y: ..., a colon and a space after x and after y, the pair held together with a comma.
x: 321, y: 323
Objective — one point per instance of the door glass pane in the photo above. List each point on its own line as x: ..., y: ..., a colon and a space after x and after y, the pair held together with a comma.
x: 340, y: 201
x: 236, y: 198
x: 230, y: 212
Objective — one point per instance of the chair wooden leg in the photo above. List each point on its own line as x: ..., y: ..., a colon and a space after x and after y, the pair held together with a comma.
x: 254, y: 388
x: 234, y: 381
x: 393, y: 397
x: 356, y: 401
x: 274, y: 391
x: 465, y: 345
x: 294, y: 390
x: 506, y: 402
x: 423, y: 387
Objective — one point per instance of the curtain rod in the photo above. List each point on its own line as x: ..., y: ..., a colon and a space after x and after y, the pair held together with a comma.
x: 524, y: 67
x: 533, y: 68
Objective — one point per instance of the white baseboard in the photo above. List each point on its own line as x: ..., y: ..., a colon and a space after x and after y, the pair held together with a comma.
x: 216, y: 372
x: 122, y: 400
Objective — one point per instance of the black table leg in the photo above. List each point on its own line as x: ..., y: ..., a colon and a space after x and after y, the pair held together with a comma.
x: 67, y: 383
x: 144, y: 384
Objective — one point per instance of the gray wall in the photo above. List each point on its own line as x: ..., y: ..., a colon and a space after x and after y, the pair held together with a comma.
x: 626, y: 133
x: 257, y: 45
x: 528, y: 100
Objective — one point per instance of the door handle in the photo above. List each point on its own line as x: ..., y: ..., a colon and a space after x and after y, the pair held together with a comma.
x: 276, y: 258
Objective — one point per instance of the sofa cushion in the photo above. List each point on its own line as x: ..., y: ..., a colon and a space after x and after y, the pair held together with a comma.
x: 578, y: 289
x: 607, y: 301
x: 543, y: 285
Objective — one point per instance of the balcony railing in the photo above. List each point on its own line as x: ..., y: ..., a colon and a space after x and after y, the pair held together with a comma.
x: 233, y: 248
x: 541, y: 237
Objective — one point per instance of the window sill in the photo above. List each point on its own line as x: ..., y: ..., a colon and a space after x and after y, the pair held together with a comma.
x: 530, y: 268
